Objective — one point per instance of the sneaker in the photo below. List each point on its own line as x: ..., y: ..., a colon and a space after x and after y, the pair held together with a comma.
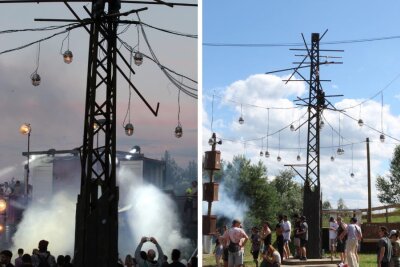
x: 303, y: 258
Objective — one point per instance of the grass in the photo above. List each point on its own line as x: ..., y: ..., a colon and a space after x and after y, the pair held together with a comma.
x: 366, y: 260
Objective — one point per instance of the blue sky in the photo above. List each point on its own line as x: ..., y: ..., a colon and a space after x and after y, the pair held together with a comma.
x: 55, y: 109
x: 236, y: 73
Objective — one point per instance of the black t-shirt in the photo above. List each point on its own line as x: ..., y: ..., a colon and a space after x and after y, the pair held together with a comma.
x: 176, y: 264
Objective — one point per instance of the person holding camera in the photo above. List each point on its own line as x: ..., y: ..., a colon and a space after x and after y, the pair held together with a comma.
x: 151, y: 254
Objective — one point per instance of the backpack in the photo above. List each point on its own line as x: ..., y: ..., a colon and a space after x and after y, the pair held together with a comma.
x: 43, y: 261
x: 233, y: 247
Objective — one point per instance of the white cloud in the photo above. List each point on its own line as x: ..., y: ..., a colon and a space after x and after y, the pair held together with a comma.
x: 269, y: 91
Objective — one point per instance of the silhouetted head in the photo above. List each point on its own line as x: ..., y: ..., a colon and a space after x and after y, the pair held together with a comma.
x: 151, y: 254
x: 176, y: 254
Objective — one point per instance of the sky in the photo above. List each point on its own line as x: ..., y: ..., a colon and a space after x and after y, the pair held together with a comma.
x: 235, y: 84
x: 55, y: 109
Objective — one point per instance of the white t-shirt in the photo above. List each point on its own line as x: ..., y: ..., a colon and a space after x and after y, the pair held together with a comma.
x: 277, y: 257
x: 333, y: 233
x: 287, y: 228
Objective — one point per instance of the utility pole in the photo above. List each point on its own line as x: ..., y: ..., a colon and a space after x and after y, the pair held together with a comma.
x: 315, y: 103
x: 369, y: 215
x: 212, y: 163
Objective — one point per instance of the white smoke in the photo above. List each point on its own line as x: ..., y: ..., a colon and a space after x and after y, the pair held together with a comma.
x: 148, y: 212
x: 53, y: 221
x: 227, y: 206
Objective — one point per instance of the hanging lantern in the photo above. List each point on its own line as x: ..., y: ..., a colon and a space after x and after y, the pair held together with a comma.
x: 267, y: 154
x: 178, y: 131
x: 241, y: 120
x: 68, y: 56
x: 129, y: 129
x: 360, y: 122
x: 298, y: 158
x: 321, y: 124
x: 138, y: 58
x: 332, y: 158
x: 352, y: 175
x: 340, y: 151
x: 261, y: 154
x: 279, y: 158
x: 292, y: 127
x: 35, y: 79
x: 382, y: 138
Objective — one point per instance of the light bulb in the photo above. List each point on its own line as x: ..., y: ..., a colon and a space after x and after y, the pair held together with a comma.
x: 267, y: 154
x: 138, y: 58
x: 279, y: 158
x: 68, y: 56
x: 35, y: 79
x: 382, y: 138
x: 129, y: 129
x: 332, y: 158
x: 241, y: 120
x: 261, y: 154
x: 178, y: 131
x: 360, y: 122
x: 298, y: 158
x: 352, y: 175
x: 292, y: 127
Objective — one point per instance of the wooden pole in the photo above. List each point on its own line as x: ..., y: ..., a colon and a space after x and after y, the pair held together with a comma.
x: 369, y: 215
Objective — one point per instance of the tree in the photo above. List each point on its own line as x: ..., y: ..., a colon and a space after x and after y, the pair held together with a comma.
x: 341, y: 205
x: 290, y: 193
x: 326, y: 205
x: 389, y: 186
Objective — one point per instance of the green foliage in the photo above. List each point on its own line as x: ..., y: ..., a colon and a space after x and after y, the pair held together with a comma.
x: 176, y: 177
x: 248, y: 183
x: 326, y: 205
x: 290, y: 193
x: 341, y: 205
x: 389, y: 186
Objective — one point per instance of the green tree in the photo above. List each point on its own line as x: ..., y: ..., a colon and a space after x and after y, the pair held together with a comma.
x: 290, y: 193
x: 341, y: 205
x: 326, y: 205
x: 389, y: 186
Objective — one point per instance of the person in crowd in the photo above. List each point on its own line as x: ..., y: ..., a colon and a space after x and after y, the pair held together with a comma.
x: 151, y: 254
x: 5, y: 258
x: 67, y: 261
x: 296, y: 237
x: 333, y: 226
x: 341, y: 239
x: 353, y: 232
x: 43, y: 257
x: 303, y: 235
x: 175, y: 256
x: 287, y: 230
x: 266, y: 235
x: 129, y: 261
x: 34, y: 259
x: 279, y: 239
x: 255, y: 244
x: 271, y: 258
x: 236, y: 239
x: 395, y: 259
x: 218, y: 249
x: 18, y: 260
x: 26, y: 260
x: 225, y: 253
x: 60, y: 261
x: 165, y: 261
x: 384, y: 248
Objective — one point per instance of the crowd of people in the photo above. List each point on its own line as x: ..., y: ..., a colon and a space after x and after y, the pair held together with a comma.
x: 345, y: 239
x: 41, y: 257
x: 230, y: 243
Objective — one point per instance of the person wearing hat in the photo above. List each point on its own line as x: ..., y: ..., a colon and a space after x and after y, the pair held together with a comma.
x: 394, y: 237
x: 384, y: 247
x: 5, y: 258
x: 236, y: 239
x: 43, y: 257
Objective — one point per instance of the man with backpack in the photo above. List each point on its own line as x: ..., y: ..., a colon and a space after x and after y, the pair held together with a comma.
x: 43, y: 258
x: 384, y: 247
x: 236, y: 237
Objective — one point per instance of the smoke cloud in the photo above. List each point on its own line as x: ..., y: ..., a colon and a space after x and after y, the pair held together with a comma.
x: 227, y: 206
x: 144, y: 211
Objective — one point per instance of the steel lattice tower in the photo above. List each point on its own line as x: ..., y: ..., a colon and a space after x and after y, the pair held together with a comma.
x: 96, y: 230
x: 312, y: 191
